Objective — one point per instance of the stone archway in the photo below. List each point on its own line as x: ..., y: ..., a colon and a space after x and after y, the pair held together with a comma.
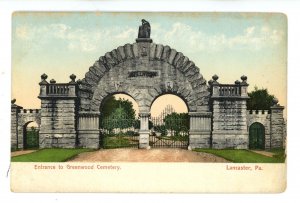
x: 145, y: 70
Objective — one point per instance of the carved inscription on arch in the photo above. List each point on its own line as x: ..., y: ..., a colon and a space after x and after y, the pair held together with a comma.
x: 147, y: 74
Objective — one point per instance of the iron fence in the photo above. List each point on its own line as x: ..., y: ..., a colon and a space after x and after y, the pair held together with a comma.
x: 119, y: 133
x: 169, y: 132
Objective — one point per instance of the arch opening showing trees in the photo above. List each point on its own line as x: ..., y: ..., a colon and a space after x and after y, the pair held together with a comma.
x: 169, y: 126
x: 119, y: 122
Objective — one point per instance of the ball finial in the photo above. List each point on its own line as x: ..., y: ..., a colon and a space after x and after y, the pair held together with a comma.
x: 73, y: 77
x: 44, y: 76
x: 52, y: 81
x: 215, y: 77
x: 275, y: 101
x: 79, y: 82
x: 237, y: 82
x: 243, y: 78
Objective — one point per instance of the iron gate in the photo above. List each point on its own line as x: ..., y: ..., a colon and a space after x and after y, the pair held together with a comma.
x: 257, y: 136
x: 30, y: 138
x: 169, y: 131
x: 116, y: 132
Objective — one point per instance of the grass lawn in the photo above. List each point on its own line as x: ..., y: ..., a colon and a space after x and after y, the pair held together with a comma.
x: 113, y: 142
x: 245, y: 156
x: 49, y: 155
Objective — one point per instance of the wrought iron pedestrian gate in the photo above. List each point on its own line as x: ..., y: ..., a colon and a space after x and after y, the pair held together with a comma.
x: 170, y: 131
x: 119, y: 132
x: 257, y: 136
x: 30, y: 138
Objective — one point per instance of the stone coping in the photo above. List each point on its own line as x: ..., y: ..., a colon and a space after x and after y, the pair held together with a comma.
x: 277, y: 107
x: 89, y: 113
x: 54, y: 96
x: 200, y: 114
x: 230, y: 97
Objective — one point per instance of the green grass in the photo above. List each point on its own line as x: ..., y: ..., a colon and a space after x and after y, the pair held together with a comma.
x: 245, y: 156
x: 49, y: 155
x: 112, y: 142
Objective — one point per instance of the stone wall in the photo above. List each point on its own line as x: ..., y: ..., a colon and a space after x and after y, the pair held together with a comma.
x: 88, y: 130
x: 58, y: 122
x: 14, y: 125
x: 277, y: 127
x: 229, y: 108
x: 229, y: 124
x: 20, y: 118
x: 200, y: 130
x: 26, y: 116
x: 58, y: 113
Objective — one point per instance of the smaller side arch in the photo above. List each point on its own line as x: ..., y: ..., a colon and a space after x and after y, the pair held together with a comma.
x: 30, y: 137
x: 257, y: 136
x: 26, y: 116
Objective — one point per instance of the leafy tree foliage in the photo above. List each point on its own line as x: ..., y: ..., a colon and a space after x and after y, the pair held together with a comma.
x: 117, y: 114
x: 174, y: 122
x: 177, y: 120
x: 117, y: 107
x: 260, y: 99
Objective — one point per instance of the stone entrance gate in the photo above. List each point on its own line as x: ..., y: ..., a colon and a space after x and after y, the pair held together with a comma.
x: 144, y: 71
x: 69, y: 115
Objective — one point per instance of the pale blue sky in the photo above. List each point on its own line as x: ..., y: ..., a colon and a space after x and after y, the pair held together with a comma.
x: 226, y: 44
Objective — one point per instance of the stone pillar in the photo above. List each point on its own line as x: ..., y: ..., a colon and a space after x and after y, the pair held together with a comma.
x: 277, y: 126
x: 20, y: 134
x: 88, y: 130
x: 244, y: 87
x: 43, y: 85
x: 14, y: 124
x: 58, y: 113
x: 230, y: 124
x: 229, y: 106
x: 215, y: 86
x: 200, y: 130
x: 144, y: 130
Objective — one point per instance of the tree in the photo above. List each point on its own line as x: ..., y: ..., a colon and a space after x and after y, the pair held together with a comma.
x: 117, y: 114
x: 260, y: 99
x: 177, y: 122
x: 112, y: 104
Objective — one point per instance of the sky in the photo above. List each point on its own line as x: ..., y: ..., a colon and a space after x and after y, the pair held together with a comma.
x: 227, y: 44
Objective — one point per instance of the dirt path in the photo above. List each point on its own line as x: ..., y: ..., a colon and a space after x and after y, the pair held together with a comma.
x: 143, y: 155
x: 17, y: 153
x: 269, y: 154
